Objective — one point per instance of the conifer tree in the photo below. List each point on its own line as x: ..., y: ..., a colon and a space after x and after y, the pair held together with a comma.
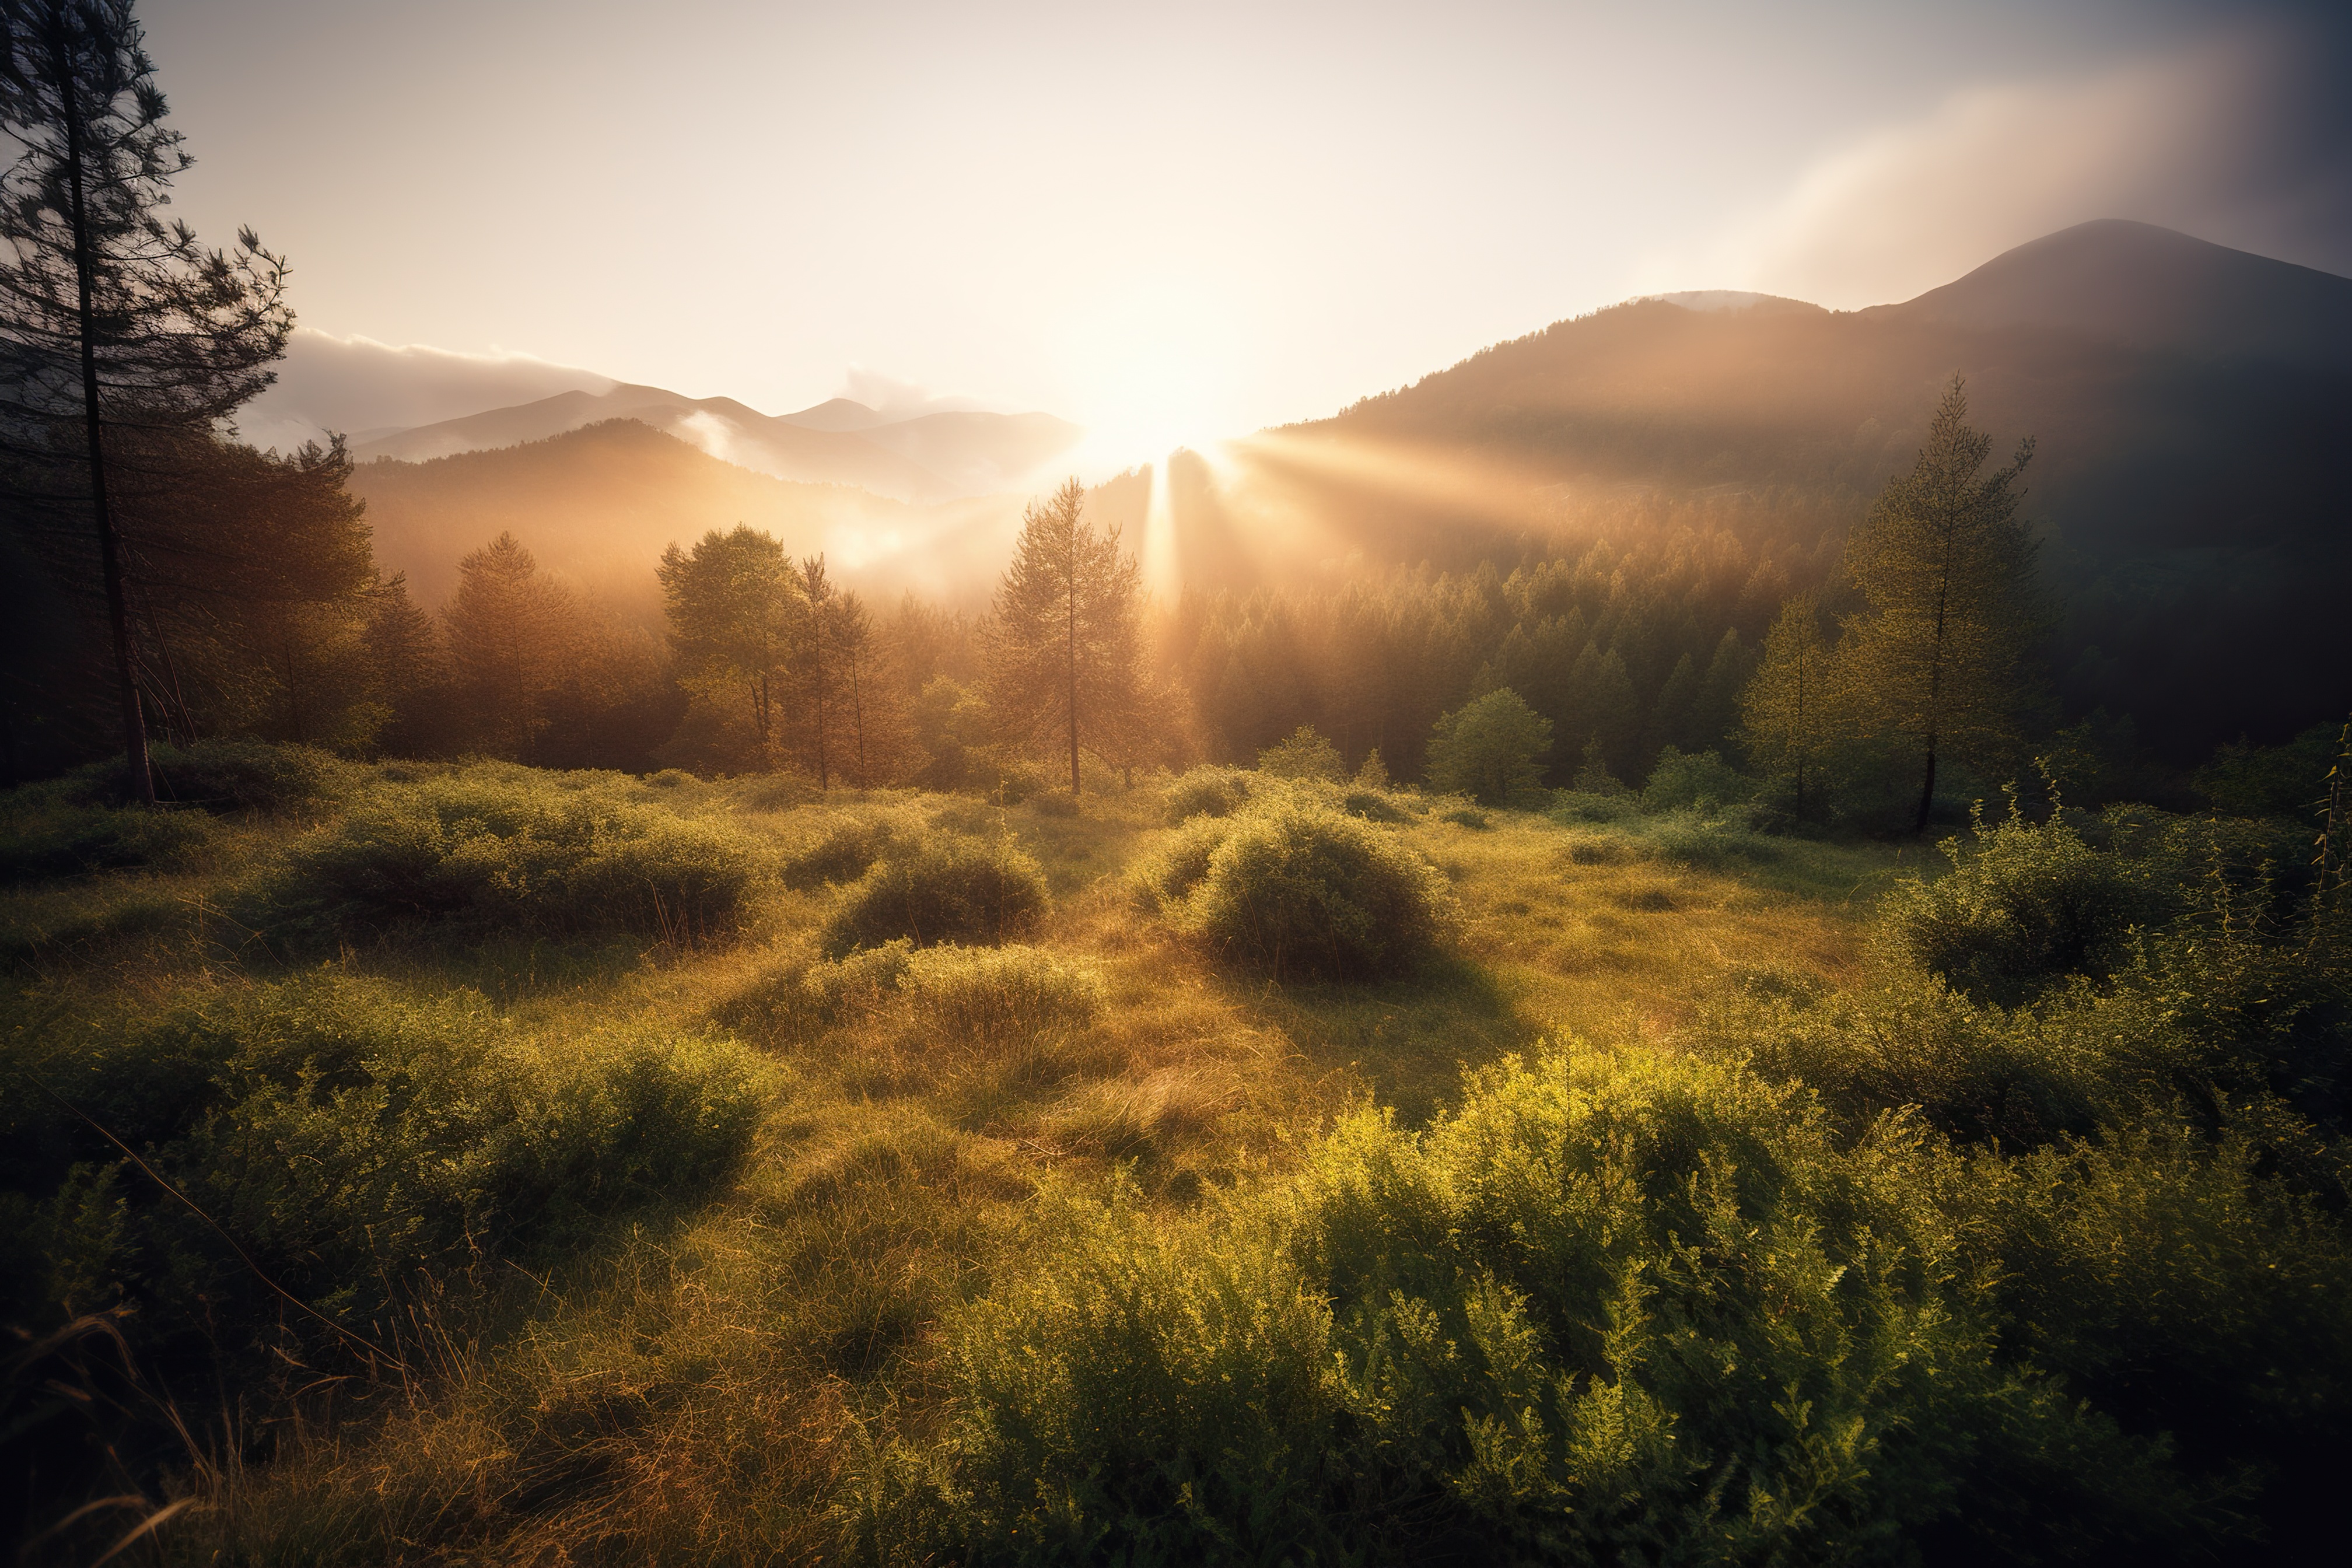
x: 816, y: 658
x: 510, y: 632
x: 410, y: 671
x: 1937, y: 658
x: 1065, y: 654
x: 113, y: 324
x: 1787, y: 718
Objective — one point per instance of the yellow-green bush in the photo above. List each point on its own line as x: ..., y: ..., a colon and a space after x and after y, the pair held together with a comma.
x: 996, y: 994
x: 42, y: 837
x: 943, y: 889
x: 1616, y: 1306
x: 1295, y: 887
x: 1205, y: 792
x: 496, y: 851
x: 841, y: 850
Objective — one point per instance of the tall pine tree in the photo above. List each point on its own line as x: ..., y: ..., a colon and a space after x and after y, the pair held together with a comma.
x: 1064, y: 655
x: 1786, y: 715
x: 1938, y: 658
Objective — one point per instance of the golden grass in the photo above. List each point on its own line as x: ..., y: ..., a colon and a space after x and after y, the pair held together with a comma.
x: 694, y: 1389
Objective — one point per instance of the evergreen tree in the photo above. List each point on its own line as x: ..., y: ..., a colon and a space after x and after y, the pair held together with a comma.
x: 1937, y: 658
x: 816, y: 659
x: 1490, y: 749
x: 511, y: 633
x: 114, y: 325
x: 1788, y: 717
x: 410, y: 671
x: 1065, y: 654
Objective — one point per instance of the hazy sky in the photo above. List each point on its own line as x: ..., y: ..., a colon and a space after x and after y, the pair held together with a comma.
x: 1174, y: 221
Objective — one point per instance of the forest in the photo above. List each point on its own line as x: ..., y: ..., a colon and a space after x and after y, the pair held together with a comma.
x: 1670, y: 1033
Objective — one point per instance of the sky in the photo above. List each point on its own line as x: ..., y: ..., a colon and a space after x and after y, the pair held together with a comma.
x: 1174, y: 223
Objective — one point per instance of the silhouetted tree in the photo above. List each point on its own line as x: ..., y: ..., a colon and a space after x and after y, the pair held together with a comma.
x: 1789, y: 716
x: 1937, y: 658
x: 1065, y: 651
x: 112, y: 322
x: 511, y: 634
x: 410, y: 671
x: 816, y: 659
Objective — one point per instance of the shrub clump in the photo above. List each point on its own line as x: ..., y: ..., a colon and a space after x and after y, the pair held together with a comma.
x: 1614, y: 1298
x: 1205, y: 792
x: 224, y: 776
x: 41, y: 838
x: 2031, y: 903
x: 943, y: 889
x: 996, y: 995
x: 1299, y: 890
x: 842, y: 851
x: 503, y: 849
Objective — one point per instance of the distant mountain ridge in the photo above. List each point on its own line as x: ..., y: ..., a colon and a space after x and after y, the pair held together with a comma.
x: 933, y: 457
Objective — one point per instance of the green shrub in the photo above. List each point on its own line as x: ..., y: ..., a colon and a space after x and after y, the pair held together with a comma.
x: 1165, y: 878
x: 1373, y: 806
x: 1205, y: 792
x: 996, y: 995
x: 946, y: 888
x: 1299, y: 889
x: 500, y: 849
x: 1705, y: 783
x: 224, y: 776
x: 1616, y: 1304
x: 40, y: 838
x: 349, y: 1135
x: 1468, y: 816
x: 2027, y: 905
x: 842, y: 851
x: 1302, y: 754
x: 1489, y: 748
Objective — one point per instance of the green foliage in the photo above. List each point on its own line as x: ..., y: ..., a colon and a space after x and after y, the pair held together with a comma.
x: 995, y: 996
x: 2271, y: 781
x: 1374, y: 773
x: 1615, y: 1304
x: 496, y: 849
x: 1791, y: 714
x: 350, y: 1134
x: 1705, y: 783
x: 1205, y: 792
x: 2029, y: 904
x: 1164, y: 878
x: 943, y: 889
x: 1302, y: 754
x: 1299, y: 890
x: 40, y: 837
x: 221, y: 776
x: 1489, y: 750
x: 840, y: 851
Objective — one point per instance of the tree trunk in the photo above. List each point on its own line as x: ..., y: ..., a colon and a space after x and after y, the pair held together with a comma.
x: 138, y: 773
x: 1927, y: 790
x: 1074, y: 675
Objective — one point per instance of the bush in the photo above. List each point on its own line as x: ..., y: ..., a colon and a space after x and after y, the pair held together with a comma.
x: 996, y: 995
x: 943, y: 889
x: 1164, y: 879
x: 1302, y: 754
x: 503, y: 849
x: 1614, y: 1300
x: 1299, y: 889
x: 1488, y: 750
x: 43, y: 838
x: 350, y: 1135
x: 1705, y: 783
x: 842, y: 851
x: 223, y: 776
x: 2029, y: 904
x: 1373, y: 806
x: 1205, y: 792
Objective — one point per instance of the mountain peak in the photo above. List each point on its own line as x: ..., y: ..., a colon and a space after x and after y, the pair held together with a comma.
x: 2151, y: 288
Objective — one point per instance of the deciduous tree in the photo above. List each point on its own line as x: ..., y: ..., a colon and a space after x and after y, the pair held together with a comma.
x: 1789, y: 719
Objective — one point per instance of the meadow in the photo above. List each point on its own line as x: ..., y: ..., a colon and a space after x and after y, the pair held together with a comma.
x: 467, y: 1162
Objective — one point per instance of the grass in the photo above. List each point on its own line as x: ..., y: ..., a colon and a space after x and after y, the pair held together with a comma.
x: 710, y: 1378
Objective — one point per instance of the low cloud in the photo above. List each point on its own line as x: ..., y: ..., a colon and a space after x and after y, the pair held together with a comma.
x: 2234, y: 139
x: 896, y: 398
x: 358, y: 387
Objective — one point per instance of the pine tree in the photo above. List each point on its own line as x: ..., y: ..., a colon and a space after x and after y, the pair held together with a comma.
x: 511, y: 633
x: 1064, y: 655
x: 114, y: 325
x: 1936, y: 659
x: 1788, y: 717
x: 410, y: 671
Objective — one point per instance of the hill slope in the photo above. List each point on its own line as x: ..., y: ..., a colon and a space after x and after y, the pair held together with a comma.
x: 2191, y: 441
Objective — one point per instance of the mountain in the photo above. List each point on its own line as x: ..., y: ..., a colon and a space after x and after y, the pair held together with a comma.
x: 600, y: 503
x: 2191, y: 407
x: 2149, y: 288
x: 935, y: 456
x: 366, y: 389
